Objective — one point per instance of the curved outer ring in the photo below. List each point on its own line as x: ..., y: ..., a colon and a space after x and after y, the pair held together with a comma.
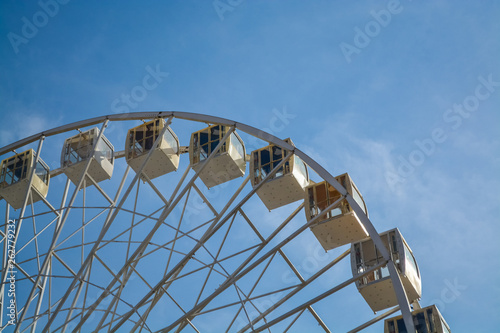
x: 396, y: 281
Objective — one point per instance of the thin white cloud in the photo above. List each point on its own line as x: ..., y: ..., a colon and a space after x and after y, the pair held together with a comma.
x: 23, y: 123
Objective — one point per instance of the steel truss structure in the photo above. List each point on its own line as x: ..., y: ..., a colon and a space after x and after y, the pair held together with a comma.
x: 169, y: 255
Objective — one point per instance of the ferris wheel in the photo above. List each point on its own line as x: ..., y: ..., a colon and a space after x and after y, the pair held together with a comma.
x: 174, y: 221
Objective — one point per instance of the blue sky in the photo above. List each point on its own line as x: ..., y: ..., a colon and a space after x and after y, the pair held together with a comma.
x: 408, y: 104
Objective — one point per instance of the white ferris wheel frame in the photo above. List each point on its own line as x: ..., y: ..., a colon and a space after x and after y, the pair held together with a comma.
x: 404, y: 305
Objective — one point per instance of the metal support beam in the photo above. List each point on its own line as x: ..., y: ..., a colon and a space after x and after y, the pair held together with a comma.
x: 111, y: 217
x: 240, y: 272
x: 65, y: 217
x: 297, y: 274
x: 317, y: 298
x: 4, y: 259
x: 45, y: 270
x: 211, y: 231
x: 375, y: 320
x: 140, y: 249
x: 296, y: 290
x: 19, y: 223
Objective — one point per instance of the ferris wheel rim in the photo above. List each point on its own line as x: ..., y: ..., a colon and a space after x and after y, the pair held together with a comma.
x: 254, y: 131
x: 202, y: 118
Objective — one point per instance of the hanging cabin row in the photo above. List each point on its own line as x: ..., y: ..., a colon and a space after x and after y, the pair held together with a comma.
x: 289, y: 183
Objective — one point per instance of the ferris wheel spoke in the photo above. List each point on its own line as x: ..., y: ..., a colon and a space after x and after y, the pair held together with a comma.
x: 145, y: 218
x: 132, y: 267
x: 111, y: 216
x: 225, y: 273
x: 107, y: 223
x: 59, y: 227
x: 175, y: 271
x: 134, y: 214
x: 205, y: 199
x: 241, y: 270
x: 247, y: 297
x: 217, y: 223
x: 177, y: 230
x: 319, y: 297
x: 175, y: 302
x: 212, y: 256
x: 4, y: 258
x: 82, y: 228
x: 114, y: 301
x: 215, y: 260
x: 297, y: 274
x: 39, y: 304
x: 155, y: 189
x: 20, y: 220
x: 294, y: 320
x: 75, y: 300
x: 235, y: 210
x: 164, y: 214
x: 48, y: 277
x: 298, y: 288
x: 128, y: 272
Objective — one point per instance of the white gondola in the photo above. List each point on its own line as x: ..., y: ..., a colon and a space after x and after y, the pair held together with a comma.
x: 14, y: 178
x: 228, y: 163
x: 340, y: 225
x: 139, y: 142
x: 78, y: 149
x: 287, y: 185
x: 426, y: 320
x: 376, y: 287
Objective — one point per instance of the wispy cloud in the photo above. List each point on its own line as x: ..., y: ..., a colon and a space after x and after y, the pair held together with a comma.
x: 23, y: 122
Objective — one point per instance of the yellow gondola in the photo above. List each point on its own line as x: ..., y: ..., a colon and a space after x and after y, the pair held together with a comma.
x: 77, y: 150
x: 228, y: 163
x: 14, y: 178
x: 426, y: 320
x: 376, y: 287
x: 139, y: 142
x: 338, y: 226
x: 288, y: 183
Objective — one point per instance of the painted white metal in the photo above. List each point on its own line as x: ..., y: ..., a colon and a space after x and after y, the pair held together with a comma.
x: 101, y: 166
x: 285, y: 188
x: 164, y: 159
x: 244, y: 268
x: 217, y: 224
x: 18, y: 226
x: 87, y: 262
x: 140, y: 249
x: 312, y: 301
x: 429, y: 319
x: 59, y: 229
x: 15, y: 193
